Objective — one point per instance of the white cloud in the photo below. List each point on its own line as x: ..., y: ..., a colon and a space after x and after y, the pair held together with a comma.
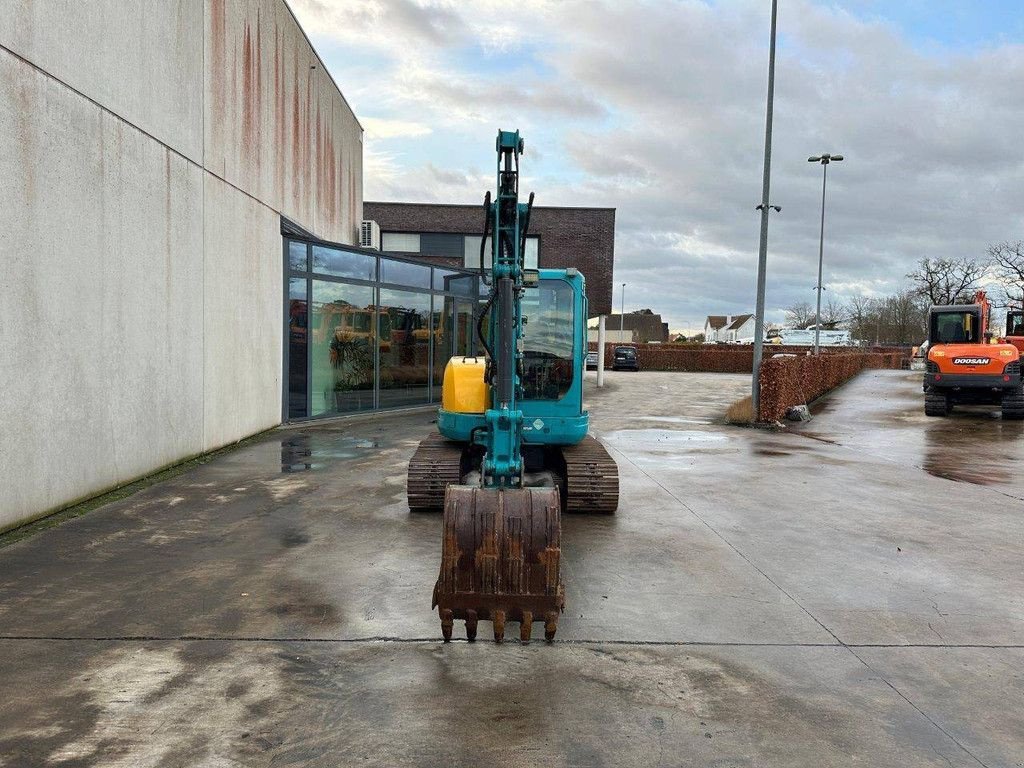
x: 657, y: 109
x: 385, y: 128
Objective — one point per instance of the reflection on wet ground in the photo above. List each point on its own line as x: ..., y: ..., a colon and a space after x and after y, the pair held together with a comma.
x: 882, y: 413
x: 304, y: 452
x: 973, y: 448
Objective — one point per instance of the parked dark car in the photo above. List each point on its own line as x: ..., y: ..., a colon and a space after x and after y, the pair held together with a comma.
x: 625, y: 357
x: 592, y: 361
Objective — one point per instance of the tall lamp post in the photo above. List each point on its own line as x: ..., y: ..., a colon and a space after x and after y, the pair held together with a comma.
x: 622, y: 315
x: 764, y: 208
x: 824, y: 160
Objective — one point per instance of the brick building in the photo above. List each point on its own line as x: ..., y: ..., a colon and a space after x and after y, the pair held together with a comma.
x: 583, y: 238
x: 645, y: 325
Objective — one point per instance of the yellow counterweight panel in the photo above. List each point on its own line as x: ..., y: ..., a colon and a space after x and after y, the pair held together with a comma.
x: 464, y: 390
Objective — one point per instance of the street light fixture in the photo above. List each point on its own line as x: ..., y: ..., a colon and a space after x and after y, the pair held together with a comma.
x: 824, y: 159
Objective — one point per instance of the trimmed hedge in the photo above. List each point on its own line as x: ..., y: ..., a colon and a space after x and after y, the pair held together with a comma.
x: 789, y: 381
x: 718, y: 358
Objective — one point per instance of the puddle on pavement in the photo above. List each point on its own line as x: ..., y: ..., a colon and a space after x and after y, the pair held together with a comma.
x: 667, y: 437
x: 677, y: 446
x: 302, y: 453
x: 950, y: 468
x: 674, y: 419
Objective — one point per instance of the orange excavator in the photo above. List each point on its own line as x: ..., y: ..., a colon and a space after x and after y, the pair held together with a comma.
x: 965, y: 366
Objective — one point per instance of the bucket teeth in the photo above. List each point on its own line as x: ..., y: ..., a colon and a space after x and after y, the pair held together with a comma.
x: 550, y: 625
x: 500, y: 559
x: 447, y: 622
x: 526, y: 627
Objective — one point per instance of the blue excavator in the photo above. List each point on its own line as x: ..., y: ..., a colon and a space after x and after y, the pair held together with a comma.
x: 512, y: 449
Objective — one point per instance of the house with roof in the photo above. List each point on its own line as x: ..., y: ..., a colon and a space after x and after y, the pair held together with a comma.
x: 641, y: 327
x: 729, y: 329
x: 741, y: 330
x: 712, y: 325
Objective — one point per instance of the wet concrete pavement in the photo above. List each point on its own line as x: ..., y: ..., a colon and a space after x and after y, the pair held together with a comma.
x: 847, y: 592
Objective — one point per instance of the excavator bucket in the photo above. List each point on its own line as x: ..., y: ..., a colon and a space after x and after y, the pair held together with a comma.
x: 499, y: 560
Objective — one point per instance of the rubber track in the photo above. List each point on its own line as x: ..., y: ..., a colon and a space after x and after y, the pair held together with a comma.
x: 1013, y: 405
x: 592, y: 478
x: 936, y: 404
x: 436, y: 464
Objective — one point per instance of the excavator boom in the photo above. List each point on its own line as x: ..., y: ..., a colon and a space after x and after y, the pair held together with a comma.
x: 502, y: 541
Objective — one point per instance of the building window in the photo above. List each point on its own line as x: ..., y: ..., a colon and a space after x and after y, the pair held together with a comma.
x: 298, y: 328
x: 399, y: 242
x: 298, y: 256
x: 342, y: 263
x: 445, y: 245
x: 342, y: 347
x: 404, y: 339
x: 405, y: 273
x: 471, y: 252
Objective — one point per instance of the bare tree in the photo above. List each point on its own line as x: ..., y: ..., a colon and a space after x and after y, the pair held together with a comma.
x: 799, y: 315
x: 897, y: 319
x: 862, y: 313
x: 947, y: 281
x: 833, y: 314
x: 907, y: 318
x: 1008, y: 267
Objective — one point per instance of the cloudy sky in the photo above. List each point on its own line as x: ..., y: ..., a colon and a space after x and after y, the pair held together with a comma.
x: 657, y: 109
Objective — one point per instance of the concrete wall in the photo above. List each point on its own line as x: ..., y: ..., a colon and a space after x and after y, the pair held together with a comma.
x: 147, y: 151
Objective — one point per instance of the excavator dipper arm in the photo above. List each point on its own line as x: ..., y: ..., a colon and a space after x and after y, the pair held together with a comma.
x: 502, y: 541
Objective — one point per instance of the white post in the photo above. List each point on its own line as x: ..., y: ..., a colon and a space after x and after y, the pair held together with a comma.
x: 600, y: 351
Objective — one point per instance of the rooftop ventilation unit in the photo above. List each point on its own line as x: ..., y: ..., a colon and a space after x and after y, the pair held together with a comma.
x: 369, y: 235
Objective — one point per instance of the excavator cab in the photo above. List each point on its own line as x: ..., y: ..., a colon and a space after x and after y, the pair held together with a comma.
x: 955, y: 325
x: 1015, y: 328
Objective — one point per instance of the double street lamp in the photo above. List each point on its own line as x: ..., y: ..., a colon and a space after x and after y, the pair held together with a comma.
x: 824, y: 160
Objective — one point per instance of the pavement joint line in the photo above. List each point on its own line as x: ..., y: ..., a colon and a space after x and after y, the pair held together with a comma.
x: 916, y: 708
x: 434, y: 640
x: 729, y: 544
x: 821, y: 624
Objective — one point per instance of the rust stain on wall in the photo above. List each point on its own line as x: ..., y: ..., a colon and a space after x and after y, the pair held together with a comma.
x: 307, y: 204
x: 280, y: 112
x: 296, y: 149
x: 316, y: 170
x: 247, y: 88
x: 218, y: 66
x: 258, y: 95
x: 279, y: 118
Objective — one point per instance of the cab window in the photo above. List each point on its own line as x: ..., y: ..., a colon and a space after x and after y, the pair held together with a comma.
x: 548, y: 340
x: 955, y: 328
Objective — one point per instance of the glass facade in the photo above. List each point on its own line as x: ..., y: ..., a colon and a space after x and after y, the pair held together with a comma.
x: 368, y: 330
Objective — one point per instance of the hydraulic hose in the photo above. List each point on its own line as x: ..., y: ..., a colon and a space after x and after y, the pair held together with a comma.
x: 480, y: 327
x: 483, y: 240
x: 525, y: 228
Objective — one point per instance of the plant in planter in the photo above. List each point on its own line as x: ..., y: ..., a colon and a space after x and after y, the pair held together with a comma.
x: 352, y: 362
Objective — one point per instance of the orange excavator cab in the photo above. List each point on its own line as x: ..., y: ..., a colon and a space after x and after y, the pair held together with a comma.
x: 965, y: 367
x: 1015, y: 328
